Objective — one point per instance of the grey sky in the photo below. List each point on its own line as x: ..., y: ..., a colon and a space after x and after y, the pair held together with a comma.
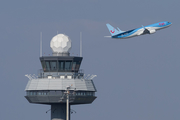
x: 138, y: 78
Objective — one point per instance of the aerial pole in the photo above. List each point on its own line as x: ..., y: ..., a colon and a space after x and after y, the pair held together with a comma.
x: 41, y: 44
x: 67, y: 104
x: 80, y: 44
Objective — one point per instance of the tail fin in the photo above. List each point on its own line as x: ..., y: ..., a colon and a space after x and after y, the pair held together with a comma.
x: 113, y: 31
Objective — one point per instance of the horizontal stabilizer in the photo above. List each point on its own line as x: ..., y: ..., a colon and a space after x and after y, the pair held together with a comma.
x: 107, y: 36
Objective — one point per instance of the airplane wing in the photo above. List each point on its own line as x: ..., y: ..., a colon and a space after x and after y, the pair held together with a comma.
x: 140, y: 32
x: 146, y: 30
x: 150, y: 30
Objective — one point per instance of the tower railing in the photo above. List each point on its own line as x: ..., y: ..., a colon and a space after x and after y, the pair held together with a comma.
x: 57, y: 74
x: 63, y: 70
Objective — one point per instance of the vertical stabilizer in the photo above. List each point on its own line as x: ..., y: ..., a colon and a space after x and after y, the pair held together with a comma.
x: 113, y: 30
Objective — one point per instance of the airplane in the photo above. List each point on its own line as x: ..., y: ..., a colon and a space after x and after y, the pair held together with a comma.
x: 117, y: 33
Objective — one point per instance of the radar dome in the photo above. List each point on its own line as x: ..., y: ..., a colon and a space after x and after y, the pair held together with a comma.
x: 60, y: 44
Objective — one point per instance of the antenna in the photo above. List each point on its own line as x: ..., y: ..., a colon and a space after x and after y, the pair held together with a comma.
x: 80, y: 44
x: 41, y: 44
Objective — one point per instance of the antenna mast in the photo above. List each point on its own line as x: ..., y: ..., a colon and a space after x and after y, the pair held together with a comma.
x: 41, y: 44
x: 80, y: 44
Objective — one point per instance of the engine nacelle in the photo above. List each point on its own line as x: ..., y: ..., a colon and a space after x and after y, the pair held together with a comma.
x: 152, y: 31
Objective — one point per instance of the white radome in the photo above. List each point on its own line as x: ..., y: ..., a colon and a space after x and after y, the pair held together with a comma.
x: 60, y: 44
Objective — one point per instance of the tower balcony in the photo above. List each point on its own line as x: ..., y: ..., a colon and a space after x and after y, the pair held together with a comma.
x: 69, y: 74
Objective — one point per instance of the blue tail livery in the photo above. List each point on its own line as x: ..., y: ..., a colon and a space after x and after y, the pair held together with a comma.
x: 117, y: 33
x: 113, y: 31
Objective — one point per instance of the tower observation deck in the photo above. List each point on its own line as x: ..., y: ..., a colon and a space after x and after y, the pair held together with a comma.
x: 60, y: 75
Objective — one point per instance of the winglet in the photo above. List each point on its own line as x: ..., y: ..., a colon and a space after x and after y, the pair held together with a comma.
x: 143, y: 27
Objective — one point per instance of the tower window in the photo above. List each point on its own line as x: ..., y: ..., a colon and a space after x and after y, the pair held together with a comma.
x: 68, y: 65
x: 47, y: 65
x: 73, y: 65
x: 53, y: 65
x: 61, y: 65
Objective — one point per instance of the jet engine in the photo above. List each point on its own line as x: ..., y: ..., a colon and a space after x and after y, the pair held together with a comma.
x: 152, y: 31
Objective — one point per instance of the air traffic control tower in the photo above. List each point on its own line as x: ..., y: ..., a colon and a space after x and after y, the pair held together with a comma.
x: 60, y: 83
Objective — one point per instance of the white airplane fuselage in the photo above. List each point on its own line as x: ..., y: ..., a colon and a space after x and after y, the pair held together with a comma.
x: 138, y: 31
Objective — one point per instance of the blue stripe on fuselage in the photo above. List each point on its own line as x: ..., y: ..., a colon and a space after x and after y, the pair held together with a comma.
x: 126, y: 34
